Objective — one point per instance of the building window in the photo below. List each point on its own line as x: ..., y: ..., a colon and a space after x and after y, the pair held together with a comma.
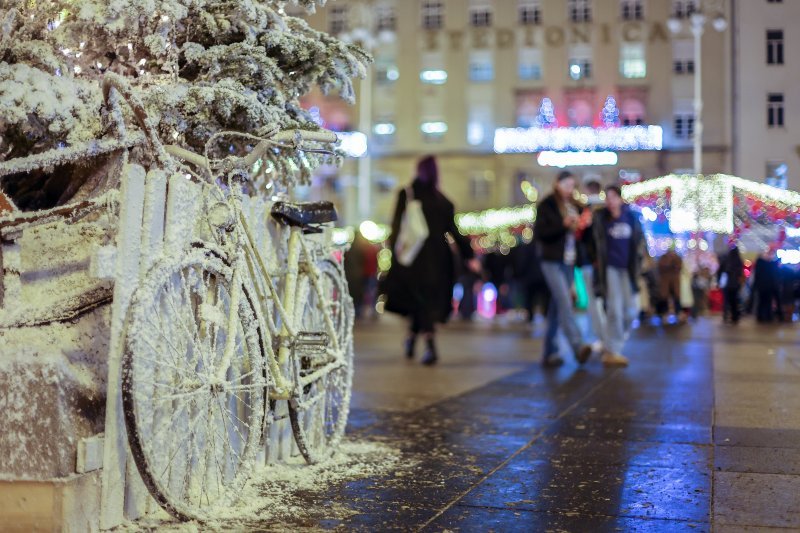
x: 632, y: 112
x: 480, y: 185
x: 684, y: 126
x: 481, y: 65
x: 632, y: 9
x: 683, y: 56
x: 580, y: 113
x: 775, y: 110
x: 385, y: 17
x: 530, y: 12
x: 530, y: 64
x: 632, y: 61
x: 432, y: 15
x: 479, y: 124
x: 685, y: 66
x: 683, y: 9
x: 580, y: 68
x: 433, y: 71
x: 433, y: 130
x: 579, y: 10
x: 338, y: 20
x: 386, y: 72
x: 528, y: 104
x: 480, y: 13
x: 775, y: 47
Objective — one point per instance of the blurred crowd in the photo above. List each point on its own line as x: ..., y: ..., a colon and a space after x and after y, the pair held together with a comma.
x: 588, y: 254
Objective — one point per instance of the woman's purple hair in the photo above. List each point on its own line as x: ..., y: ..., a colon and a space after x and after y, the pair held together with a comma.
x: 427, y: 172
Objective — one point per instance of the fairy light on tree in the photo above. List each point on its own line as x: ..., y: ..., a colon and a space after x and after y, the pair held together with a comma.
x: 609, y: 115
x: 547, y: 115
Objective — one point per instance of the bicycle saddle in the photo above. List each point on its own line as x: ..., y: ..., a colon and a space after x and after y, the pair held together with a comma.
x: 304, y: 214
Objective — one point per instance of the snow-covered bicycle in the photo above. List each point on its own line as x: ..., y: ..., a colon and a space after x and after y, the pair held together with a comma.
x: 215, y: 337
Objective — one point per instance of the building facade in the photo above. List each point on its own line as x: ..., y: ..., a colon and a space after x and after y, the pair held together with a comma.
x: 766, y: 91
x: 449, y: 74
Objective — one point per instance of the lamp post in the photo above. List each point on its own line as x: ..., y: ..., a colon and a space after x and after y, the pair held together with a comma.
x: 698, y: 20
x: 365, y: 34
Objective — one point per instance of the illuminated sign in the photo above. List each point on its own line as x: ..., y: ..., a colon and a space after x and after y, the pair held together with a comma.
x: 583, y: 139
x: 576, y: 159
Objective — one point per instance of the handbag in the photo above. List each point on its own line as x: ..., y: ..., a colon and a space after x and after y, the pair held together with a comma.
x: 413, y: 231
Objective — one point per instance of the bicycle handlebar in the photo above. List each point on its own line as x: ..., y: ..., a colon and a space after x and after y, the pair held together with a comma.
x: 258, y: 152
x: 288, y: 135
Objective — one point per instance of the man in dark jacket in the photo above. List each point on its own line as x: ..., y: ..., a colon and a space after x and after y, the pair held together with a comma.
x: 619, y: 239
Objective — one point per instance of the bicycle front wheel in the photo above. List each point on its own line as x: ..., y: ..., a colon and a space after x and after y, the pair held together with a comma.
x: 194, y: 421
x: 323, y: 375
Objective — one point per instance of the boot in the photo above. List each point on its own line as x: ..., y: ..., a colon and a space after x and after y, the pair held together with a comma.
x: 409, y: 343
x: 430, y: 356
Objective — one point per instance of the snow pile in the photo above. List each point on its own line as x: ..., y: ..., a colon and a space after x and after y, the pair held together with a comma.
x: 279, y: 494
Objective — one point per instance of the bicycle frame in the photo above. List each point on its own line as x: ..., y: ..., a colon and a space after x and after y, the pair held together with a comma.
x: 247, y: 256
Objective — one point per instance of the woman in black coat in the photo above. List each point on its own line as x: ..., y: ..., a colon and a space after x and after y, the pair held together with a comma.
x: 423, y: 291
x: 733, y: 270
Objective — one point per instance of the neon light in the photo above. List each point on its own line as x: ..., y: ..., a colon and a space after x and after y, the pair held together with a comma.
x: 575, y: 159
x: 436, y: 77
x: 626, y: 138
x: 353, y: 143
x: 792, y: 232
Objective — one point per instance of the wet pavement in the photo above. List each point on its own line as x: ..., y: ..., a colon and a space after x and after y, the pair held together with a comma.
x: 700, y: 433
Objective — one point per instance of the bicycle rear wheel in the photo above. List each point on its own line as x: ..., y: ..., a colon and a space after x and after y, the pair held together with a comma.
x: 193, y: 429
x: 323, y: 377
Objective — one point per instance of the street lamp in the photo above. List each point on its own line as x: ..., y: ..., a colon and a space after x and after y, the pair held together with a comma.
x: 698, y: 20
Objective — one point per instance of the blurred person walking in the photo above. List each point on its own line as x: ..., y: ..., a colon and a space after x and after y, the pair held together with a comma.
x: 766, y: 287
x: 529, y: 279
x: 354, y: 270
x: 701, y: 285
x: 423, y: 290
x: 670, y: 266
x: 557, y: 221
x: 586, y: 253
x: 731, y: 279
x: 618, y: 244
